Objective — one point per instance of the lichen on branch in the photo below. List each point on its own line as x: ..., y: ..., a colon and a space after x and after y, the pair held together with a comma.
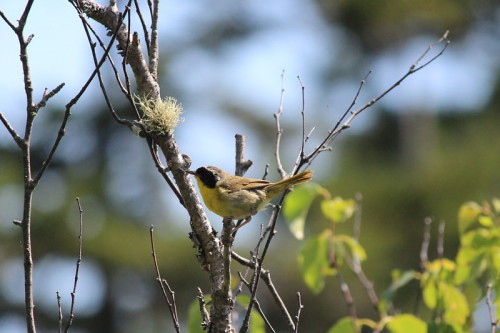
x: 160, y: 116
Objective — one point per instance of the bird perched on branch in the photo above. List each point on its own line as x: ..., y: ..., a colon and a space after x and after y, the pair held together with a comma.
x: 238, y: 197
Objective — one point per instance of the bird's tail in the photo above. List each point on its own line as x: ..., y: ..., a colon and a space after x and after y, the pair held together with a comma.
x: 282, y: 185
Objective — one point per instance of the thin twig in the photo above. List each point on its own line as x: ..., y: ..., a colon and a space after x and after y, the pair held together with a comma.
x: 440, y: 240
x: 9, y: 23
x: 17, y: 139
x: 355, y: 265
x: 151, y: 143
x: 48, y: 95
x: 78, y: 262
x: 144, y: 27
x: 171, y: 303
x: 338, y: 128
x: 358, y: 214
x: 346, y: 292
x: 103, y: 47
x: 257, y: 304
x: 127, y: 92
x: 98, y: 64
x: 302, y: 112
x: 242, y: 164
x: 491, y: 309
x: 153, y: 49
x: 299, y: 310
x: 59, y: 311
x: 259, y: 273
x: 205, y: 316
x: 424, y: 250
x: 25, y: 147
x: 279, y: 130
x: 424, y: 258
x: 62, y: 128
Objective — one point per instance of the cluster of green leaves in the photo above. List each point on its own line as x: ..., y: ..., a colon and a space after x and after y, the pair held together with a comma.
x: 450, y: 289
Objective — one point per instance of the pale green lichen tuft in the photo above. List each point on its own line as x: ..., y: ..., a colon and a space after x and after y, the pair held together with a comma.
x: 160, y: 116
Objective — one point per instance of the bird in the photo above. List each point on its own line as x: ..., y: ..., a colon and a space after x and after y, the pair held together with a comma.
x: 238, y: 197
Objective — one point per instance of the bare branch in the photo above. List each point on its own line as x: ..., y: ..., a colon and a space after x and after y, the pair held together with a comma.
x: 59, y: 311
x: 171, y: 303
x: 205, y: 316
x: 257, y: 304
x: 48, y: 95
x: 153, y: 45
x: 266, y: 277
x: 112, y: 20
x: 29, y: 185
x: 9, y: 23
x: 18, y: 140
x: 337, y: 129
x: 24, y: 17
x: 440, y: 240
x: 227, y: 241
x: 424, y: 257
x: 358, y: 212
x: 491, y: 310
x: 424, y: 250
x: 78, y: 261
x: 144, y: 27
x: 259, y: 260
x: 299, y: 310
x: 346, y: 292
x: 242, y: 164
x: 302, y: 112
x: 279, y: 130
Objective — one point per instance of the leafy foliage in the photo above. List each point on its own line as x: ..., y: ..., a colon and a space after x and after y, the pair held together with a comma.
x: 450, y: 288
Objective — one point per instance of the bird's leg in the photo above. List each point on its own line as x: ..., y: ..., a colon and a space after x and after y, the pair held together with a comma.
x: 242, y: 224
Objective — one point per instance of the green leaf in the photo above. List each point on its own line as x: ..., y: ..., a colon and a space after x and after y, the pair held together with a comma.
x: 314, y: 263
x: 297, y: 206
x: 406, y: 323
x: 440, y: 328
x: 430, y: 295
x: 352, y: 246
x: 344, y: 325
x: 496, y: 205
x: 243, y: 299
x: 398, y: 281
x: 338, y: 210
x: 257, y: 324
x: 467, y: 215
x: 455, y: 305
x: 486, y: 221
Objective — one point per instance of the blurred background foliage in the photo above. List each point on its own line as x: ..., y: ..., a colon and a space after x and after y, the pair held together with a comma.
x: 427, y: 148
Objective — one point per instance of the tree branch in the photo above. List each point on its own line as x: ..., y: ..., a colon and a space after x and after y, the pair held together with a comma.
x: 172, y: 307
x: 338, y: 128
x: 78, y: 261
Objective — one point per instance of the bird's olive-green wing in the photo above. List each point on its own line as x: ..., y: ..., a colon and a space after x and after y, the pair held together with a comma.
x: 242, y: 183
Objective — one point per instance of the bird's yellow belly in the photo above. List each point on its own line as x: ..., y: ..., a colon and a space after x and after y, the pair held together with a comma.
x: 235, y: 204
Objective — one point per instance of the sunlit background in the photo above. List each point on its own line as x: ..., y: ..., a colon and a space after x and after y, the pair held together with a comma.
x: 423, y: 150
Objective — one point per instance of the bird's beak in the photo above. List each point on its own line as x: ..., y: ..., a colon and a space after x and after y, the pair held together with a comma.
x: 190, y: 172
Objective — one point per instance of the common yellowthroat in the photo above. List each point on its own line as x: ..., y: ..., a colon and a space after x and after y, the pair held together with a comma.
x: 239, y: 197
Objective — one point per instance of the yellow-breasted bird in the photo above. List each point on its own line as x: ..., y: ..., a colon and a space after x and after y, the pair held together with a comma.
x: 238, y: 197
